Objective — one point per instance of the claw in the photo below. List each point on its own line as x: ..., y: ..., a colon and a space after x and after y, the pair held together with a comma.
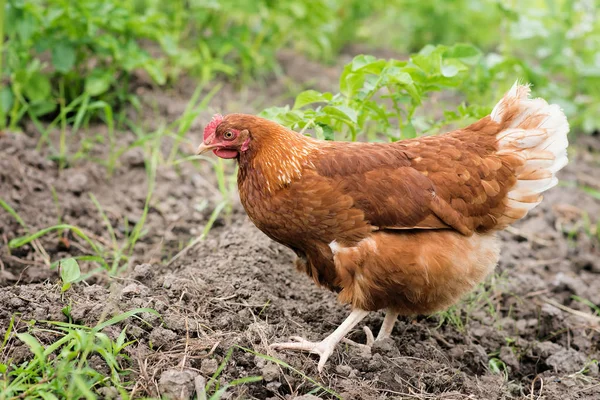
x: 370, y: 337
x: 323, y: 349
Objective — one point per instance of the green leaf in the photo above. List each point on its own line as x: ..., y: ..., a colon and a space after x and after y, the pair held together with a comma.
x: 6, y: 99
x: 466, y: 53
x: 326, y: 131
x: 429, y: 59
x: 47, y: 395
x: 409, y: 131
x: 156, y: 73
x: 404, y: 79
x: 351, y: 83
x: 34, y: 345
x: 98, y: 82
x: 367, y: 64
x: 310, y: 97
x: 37, y: 87
x: 69, y: 270
x: 63, y: 56
x: 39, y: 108
x: 121, y: 317
x: 343, y: 113
x: 26, y: 26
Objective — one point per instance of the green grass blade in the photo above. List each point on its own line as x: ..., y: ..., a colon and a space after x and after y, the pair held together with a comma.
x: 22, y: 241
x: 36, y: 348
x: 12, y: 212
x: 289, y: 367
x: 121, y: 317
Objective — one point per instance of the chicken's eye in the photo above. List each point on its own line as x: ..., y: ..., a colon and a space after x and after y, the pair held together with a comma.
x: 228, y: 135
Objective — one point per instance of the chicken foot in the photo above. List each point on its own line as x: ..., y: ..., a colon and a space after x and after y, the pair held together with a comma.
x: 325, y: 347
x: 384, y: 332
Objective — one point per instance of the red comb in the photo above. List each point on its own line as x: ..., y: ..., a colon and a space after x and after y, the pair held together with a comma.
x: 211, y: 128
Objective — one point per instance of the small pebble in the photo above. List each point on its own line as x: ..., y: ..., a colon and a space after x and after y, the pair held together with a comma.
x: 209, y: 366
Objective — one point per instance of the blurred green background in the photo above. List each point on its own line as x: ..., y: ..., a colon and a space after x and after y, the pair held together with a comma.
x: 78, y: 52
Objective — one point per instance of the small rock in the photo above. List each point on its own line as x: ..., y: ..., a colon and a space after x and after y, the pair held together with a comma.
x: 566, y: 361
x: 142, y: 272
x: 134, y: 157
x: 343, y: 370
x: 177, y: 385
x: 270, y: 372
x: 376, y: 362
x: 134, y: 289
x: 259, y: 361
x: 209, y: 366
x: 306, y: 397
x: 479, y: 332
x: 386, y: 346
x: 551, y: 311
x: 16, y: 302
x: 108, y: 392
x: 78, y: 182
x: 274, y: 386
x: 521, y: 325
x: 162, y: 338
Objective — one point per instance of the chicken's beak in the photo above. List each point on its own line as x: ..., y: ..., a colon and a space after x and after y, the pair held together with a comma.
x: 203, y: 148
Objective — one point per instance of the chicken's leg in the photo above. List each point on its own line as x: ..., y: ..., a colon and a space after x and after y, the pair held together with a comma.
x: 384, y: 332
x: 388, y: 325
x: 325, y: 347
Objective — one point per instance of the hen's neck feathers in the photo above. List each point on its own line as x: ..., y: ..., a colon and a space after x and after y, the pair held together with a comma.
x: 277, y: 156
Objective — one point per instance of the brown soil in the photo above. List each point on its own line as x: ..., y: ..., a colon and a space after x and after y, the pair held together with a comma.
x: 238, y: 288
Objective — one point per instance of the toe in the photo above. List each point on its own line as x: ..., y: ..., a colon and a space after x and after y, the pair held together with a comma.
x: 370, y: 337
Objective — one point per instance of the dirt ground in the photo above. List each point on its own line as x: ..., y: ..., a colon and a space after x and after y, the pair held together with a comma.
x: 522, y: 335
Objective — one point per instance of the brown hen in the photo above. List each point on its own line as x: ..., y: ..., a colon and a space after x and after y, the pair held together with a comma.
x: 409, y: 226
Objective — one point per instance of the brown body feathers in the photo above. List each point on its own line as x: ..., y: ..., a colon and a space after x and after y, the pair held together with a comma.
x: 409, y: 225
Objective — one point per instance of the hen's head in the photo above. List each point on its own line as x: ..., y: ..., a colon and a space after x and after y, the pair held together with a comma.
x: 234, y: 134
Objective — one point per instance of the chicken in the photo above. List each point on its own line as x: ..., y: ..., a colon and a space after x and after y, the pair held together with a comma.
x: 408, y: 227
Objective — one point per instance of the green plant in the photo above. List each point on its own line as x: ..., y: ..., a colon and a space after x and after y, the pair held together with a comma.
x: 213, y: 384
x: 69, y: 272
x: 379, y: 96
x: 62, y: 369
x: 483, y: 298
x: 497, y: 366
x: 318, y: 387
x: 63, y: 49
x: 552, y: 44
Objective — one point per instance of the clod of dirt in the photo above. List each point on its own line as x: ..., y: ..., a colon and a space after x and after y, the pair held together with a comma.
x: 162, y: 338
x: 545, y: 349
x: 209, y: 366
x: 133, y: 158
x: 386, y: 347
x: 306, y: 397
x: 108, y: 393
x: 509, y: 357
x: 142, y: 272
x: 472, y: 355
x: 566, y: 361
x: 344, y: 370
x: 270, y: 372
x: 177, y: 385
x: 134, y: 289
x: 78, y: 182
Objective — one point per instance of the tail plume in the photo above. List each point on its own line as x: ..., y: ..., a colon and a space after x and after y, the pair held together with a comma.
x: 533, y: 135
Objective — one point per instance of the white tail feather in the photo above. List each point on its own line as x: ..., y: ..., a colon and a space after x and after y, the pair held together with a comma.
x: 536, y: 133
